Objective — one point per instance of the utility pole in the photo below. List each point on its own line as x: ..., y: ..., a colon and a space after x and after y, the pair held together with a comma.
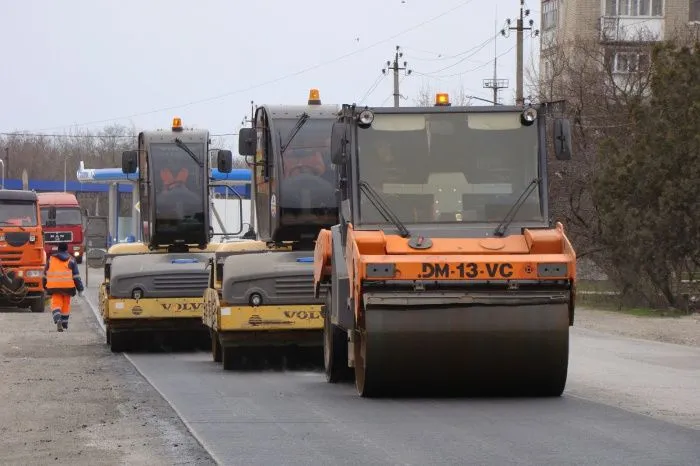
x: 495, y: 83
x: 396, y: 68
x: 524, y: 13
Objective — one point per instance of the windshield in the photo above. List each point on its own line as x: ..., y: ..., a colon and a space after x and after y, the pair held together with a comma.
x: 18, y: 213
x: 307, y: 188
x: 449, y: 167
x: 179, y: 196
x: 64, y: 216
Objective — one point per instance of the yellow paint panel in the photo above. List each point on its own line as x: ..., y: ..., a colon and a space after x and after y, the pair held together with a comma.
x: 128, y: 248
x: 287, y: 317
x: 250, y: 245
x: 155, y: 308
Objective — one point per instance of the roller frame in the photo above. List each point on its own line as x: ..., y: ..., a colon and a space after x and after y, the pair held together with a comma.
x: 520, y: 345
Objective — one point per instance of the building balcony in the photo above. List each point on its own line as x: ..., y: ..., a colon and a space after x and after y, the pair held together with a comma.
x: 627, y: 29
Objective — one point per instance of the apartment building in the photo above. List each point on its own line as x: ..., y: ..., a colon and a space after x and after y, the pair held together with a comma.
x: 616, y: 25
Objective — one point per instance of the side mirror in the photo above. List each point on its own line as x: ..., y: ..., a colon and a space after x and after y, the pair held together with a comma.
x: 130, y: 161
x: 339, y: 142
x: 247, y: 141
x: 562, y: 139
x: 224, y: 161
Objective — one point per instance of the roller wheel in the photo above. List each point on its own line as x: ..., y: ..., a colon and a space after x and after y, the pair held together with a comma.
x: 230, y: 359
x: 118, y: 341
x: 365, y: 380
x: 215, y: 347
x: 335, y: 348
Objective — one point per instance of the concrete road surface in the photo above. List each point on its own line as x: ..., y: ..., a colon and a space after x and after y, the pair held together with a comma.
x: 621, y: 395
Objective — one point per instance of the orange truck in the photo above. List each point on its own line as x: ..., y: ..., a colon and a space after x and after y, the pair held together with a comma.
x: 22, y: 255
x: 63, y: 221
x: 445, y: 271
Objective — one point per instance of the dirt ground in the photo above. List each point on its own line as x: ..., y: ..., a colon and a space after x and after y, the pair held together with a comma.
x: 66, y: 399
x: 683, y: 330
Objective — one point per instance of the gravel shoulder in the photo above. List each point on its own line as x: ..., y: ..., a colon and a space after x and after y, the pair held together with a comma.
x: 683, y: 330
x: 66, y: 399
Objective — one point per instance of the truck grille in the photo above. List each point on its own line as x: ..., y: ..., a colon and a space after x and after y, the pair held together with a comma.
x: 10, y: 257
x: 301, y: 286
x: 186, y: 283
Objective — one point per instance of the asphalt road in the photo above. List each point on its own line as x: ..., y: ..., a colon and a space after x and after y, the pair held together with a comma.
x: 297, y: 418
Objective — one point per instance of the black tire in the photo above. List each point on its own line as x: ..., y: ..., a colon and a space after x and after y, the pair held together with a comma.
x: 335, y: 348
x: 230, y: 359
x: 79, y: 259
x: 37, y: 305
x: 118, y: 341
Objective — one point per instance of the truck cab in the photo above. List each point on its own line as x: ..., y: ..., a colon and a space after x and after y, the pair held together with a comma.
x: 63, y: 221
x: 22, y: 255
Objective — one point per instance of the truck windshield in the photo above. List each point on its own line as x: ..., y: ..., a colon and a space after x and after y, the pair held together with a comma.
x: 17, y: 213
x: 179, y: 195
x: 64, y: 216
x: 449, y: 167
x: 307, y: 184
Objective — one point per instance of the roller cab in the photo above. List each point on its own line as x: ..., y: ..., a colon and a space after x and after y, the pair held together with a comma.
x: 260, y: 302
x: 155, y: 288
x: 444, y: 273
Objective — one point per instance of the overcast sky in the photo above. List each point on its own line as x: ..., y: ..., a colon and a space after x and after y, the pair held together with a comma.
x: 90, y: 63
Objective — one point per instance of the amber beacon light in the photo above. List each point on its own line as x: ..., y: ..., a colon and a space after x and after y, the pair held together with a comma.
x: 177, y: 124
x: 314, y: 97
x: 442, y: 99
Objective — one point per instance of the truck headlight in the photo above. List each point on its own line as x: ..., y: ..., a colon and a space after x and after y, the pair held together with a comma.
x: 33, y: 273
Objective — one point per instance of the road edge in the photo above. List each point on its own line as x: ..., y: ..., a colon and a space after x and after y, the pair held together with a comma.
x: 189, y: 428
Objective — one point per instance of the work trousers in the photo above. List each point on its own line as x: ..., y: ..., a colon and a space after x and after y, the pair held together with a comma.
x: 60, y: 308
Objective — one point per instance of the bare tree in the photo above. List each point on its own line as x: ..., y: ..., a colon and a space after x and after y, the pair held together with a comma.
x: 604, y: 86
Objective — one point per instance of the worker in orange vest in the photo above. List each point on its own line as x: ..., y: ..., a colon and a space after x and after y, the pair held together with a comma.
x: 61, y: 279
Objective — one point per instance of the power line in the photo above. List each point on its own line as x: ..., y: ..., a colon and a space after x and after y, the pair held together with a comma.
x: 278, y: 79
x: 372, y: 88
x: 462, y: 73
x: 473, y: 51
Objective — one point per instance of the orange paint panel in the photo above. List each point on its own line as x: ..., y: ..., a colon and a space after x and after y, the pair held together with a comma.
x: 468, y: 267
x: 510, y: 245
x: 322, y: 255
x: 370, y: 242
x: 545, y: 241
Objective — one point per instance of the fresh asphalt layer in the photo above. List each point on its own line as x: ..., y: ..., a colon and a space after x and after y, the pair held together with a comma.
x: 290, y: 418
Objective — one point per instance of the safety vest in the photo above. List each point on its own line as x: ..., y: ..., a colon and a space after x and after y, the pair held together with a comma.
x: 59, y: 274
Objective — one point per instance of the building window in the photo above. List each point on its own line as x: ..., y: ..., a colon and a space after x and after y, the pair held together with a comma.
x: 694, y: 10
x: 630, y: 62
x: 550, y: 14
x: 634, y: 7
